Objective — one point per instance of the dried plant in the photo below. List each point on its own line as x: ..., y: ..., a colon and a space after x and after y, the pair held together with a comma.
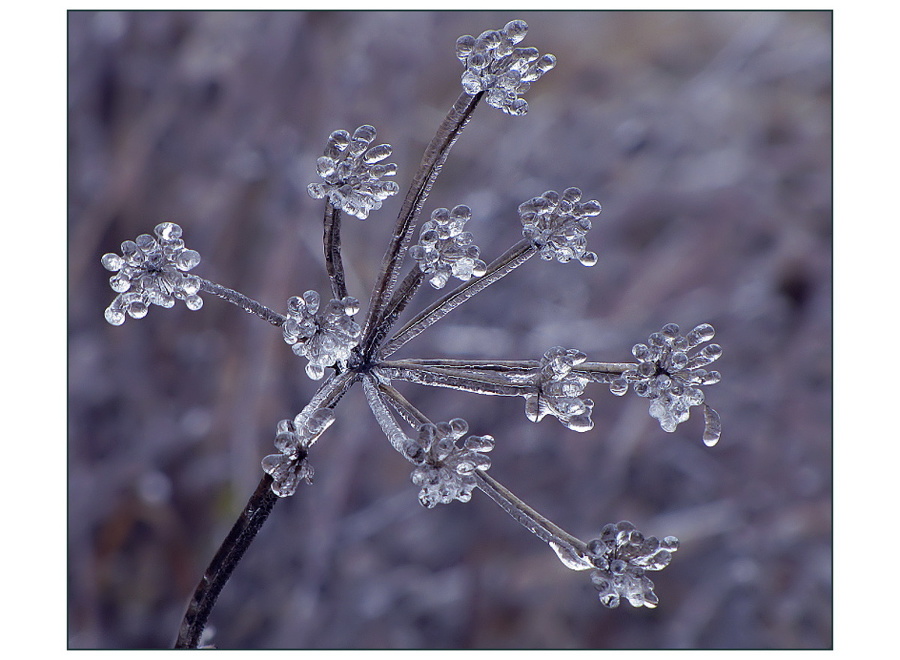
x: 447, y: 463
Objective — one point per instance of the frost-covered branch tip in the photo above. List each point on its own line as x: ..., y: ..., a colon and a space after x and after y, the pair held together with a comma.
x: 495, y: 66
x: 444, y: 250
x: 290, y: 466
x: 558, y: 224
x: 352, y: 172
x: 151, y: 271
x: 445, y: 465
x: 622, y: 556
x: 325, y: 337
x: 671, y: 374
x: 559, y: 389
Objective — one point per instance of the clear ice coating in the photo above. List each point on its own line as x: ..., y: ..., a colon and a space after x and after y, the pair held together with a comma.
x: 560, y: 389
x: 353, y: 172
x: 670, y: 372
x: 622, y: 556
x: 558, y: 224
x: 288, y: 468
x: 444, y: 250
x: 151, y: 271
x: 445, y: 466
x: 495, y: 65
x: 325, y: 337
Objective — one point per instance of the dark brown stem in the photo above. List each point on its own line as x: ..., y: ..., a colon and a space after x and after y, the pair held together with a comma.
x: 223, y: 564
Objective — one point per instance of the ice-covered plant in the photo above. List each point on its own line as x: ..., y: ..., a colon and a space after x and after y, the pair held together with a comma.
x: 447, y: 462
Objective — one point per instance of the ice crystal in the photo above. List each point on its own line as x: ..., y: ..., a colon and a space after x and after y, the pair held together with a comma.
x: 671, y: 373
x: 557, y: 225
x: 352, y: 171
x: 444, y: 250
x: 559, y: 390
x: 495, y: 66
x: 325, y: 337
x: 151, y: 271
x: 622, y: 555
x: 288, y: 468
x: 445, y: 467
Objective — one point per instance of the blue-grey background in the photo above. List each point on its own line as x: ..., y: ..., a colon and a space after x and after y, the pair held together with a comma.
x: 706, y: 137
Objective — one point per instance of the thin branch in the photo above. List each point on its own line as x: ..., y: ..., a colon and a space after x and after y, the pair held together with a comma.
x: 383, y: 416
x: 247, y: 304
x: 413, y: 416
x: 479, y: 382
x: 496, y: 270
x: 224, y: 562
x: 487, y: 365
x: 571, y: 550
x: 433, y: 159
x: 401, y: 298
x: 604, y: 368
x: 334, y: 265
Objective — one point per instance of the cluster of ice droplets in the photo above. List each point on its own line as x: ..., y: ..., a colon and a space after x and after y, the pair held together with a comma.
x: 559, y: 391
x: 671, y: 372
x: 622, y: 556
x: 495, y: 66
x: 289, y: 467
x: 558, y: 224
x: 151, y: 271
x: 444, y: 250
x: 445, y: 467
x: 323, y: 336
x: 352, y: 171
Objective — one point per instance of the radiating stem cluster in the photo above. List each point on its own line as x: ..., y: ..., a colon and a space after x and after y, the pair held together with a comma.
x: 447, y: 463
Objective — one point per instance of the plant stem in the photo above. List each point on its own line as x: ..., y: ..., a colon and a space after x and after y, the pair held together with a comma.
x: 224, y: 562
x: 496, y: 270
x: 570, y: 550
x: 401, y: 298
x: 334, y: 265
x: 478, y: 381
x: 247, y: 304
x: 432, y: 160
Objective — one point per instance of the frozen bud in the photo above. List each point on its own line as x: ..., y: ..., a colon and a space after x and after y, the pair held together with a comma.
x: 558, y: 391
x: 353, y: 171
x: 622, y: 556
x: 558, y: 225
x: 444, y: 250
x: 447, y: 463
x: 326, y: 336
x: 494, y: 65
x: 150, y: 271
x: 669, y: 373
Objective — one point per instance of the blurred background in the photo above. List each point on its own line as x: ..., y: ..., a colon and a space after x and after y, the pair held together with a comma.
x: 707, y: 138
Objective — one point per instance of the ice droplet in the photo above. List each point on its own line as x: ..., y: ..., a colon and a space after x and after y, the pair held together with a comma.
x: 712, y: 430
x: 569, y: 557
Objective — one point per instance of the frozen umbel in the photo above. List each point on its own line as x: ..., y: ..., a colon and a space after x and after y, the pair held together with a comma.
x: 447, y: 461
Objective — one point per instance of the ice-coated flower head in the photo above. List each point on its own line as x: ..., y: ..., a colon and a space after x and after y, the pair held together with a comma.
x: 352, y: 171
x: 670, y: 372
x: 557, y: 225
x: 495, y: 65
x: 151, y: 271
x: 444, y: 465
x: 291, y: 466
x: 622, y: 555
x: 325, y: 337
x: 560, y: 389
x: 444, y: 250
